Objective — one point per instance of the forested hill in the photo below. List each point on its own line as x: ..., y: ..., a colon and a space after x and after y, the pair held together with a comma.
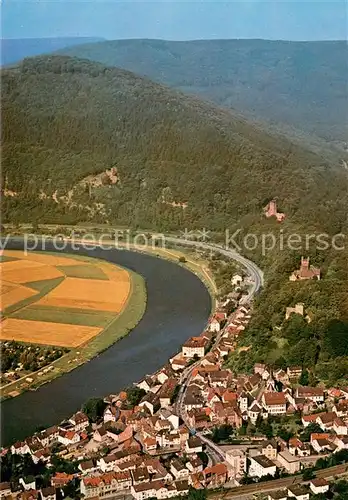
x: 65, y: 119
x: 298, y: 84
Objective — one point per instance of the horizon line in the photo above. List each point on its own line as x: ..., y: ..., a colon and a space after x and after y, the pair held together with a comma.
x: 104, y: 39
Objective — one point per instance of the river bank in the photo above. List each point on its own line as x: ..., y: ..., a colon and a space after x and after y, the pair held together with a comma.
x: 119, y: 326
x: 178, y: 306
x: 123, y: 324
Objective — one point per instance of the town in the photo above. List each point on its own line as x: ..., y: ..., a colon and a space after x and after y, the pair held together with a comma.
x: 192, y: 425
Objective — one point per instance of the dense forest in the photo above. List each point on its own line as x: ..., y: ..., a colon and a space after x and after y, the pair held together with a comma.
x: 298, y: 84
x: 65, y: 119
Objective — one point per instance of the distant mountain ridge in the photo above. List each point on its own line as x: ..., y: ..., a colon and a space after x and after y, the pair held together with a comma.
x: 15, y: 49
x: 300, y: 85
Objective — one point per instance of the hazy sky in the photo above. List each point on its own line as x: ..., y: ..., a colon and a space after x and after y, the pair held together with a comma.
x: 180, y: 20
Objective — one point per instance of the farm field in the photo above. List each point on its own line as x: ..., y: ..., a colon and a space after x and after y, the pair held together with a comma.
x: 57, y: 300
x: 88, y: 306
x: 46, y: 332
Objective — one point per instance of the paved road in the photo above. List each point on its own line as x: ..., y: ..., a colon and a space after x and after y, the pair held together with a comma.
x: 216, y: 453
x: 253, y: 270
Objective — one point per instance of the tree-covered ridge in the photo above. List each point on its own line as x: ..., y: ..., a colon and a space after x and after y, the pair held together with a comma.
x: 300, y: 84
x: 65, y: 119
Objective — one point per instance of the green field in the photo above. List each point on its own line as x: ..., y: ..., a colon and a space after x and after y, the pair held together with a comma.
x: 85, y: 271
x: 6, y: 258
x: 68, y: 315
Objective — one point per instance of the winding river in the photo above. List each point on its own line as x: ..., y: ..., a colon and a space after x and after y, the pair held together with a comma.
x: 178, y: 306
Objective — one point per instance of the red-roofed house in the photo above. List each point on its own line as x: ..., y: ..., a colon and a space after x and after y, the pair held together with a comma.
x: 274, y: 402
x: 340, y: 427
x: 80, y: 421
x: 194, y: 346
x: 313, y: 393
x: 215, y: 475
x: 319, y: 485
x: 216, y: 322
x: 68, y: 437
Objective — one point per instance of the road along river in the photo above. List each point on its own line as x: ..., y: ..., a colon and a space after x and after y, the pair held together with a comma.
x: 178, y: 306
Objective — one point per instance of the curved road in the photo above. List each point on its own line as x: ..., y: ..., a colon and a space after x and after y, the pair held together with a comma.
x: 253, y: 270
x: 256, y: 275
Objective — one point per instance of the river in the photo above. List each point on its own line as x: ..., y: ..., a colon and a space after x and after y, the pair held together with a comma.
x: 178, y: 306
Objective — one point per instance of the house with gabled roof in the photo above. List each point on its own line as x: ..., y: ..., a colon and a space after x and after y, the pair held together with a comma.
x: 216, y: 475
x: 319, y: 486
x: 194, y: 346
x: 179, y: 469
x: 79, y: 420
x: 254, y: 411
x: 313, y: 393
x: 48, y: 493
x: 274, y: 402
x: 298, y: 491
x: 326, y: 420
x: 193, y: 445
x: 340, y: 427
x: 150, y: 401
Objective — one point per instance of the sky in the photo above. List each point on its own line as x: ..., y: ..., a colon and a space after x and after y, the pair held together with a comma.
x: 179, y: 20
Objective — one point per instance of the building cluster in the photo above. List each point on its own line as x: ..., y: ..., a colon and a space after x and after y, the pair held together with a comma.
x: 131, y: 450
x: 306, y: 271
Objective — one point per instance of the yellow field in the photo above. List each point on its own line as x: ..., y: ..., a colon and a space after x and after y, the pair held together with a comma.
x: 40, y: 332
x: 115, y: 274
x: 6, y: 287
x: 88, y: 294
x: 15, y: 295
x: 78, y: 293
x: 41, y: 258
x: 30, y: 274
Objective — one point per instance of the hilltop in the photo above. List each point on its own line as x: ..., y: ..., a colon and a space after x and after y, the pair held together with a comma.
x: 299, y: 87
x: 83, y: 141
x: 15, y: 49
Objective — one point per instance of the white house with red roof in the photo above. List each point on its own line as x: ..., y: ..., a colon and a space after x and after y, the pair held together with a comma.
x: 274, y: 402
x: 319, y: 486
x: 68, y: 437
x: 194, y: 346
